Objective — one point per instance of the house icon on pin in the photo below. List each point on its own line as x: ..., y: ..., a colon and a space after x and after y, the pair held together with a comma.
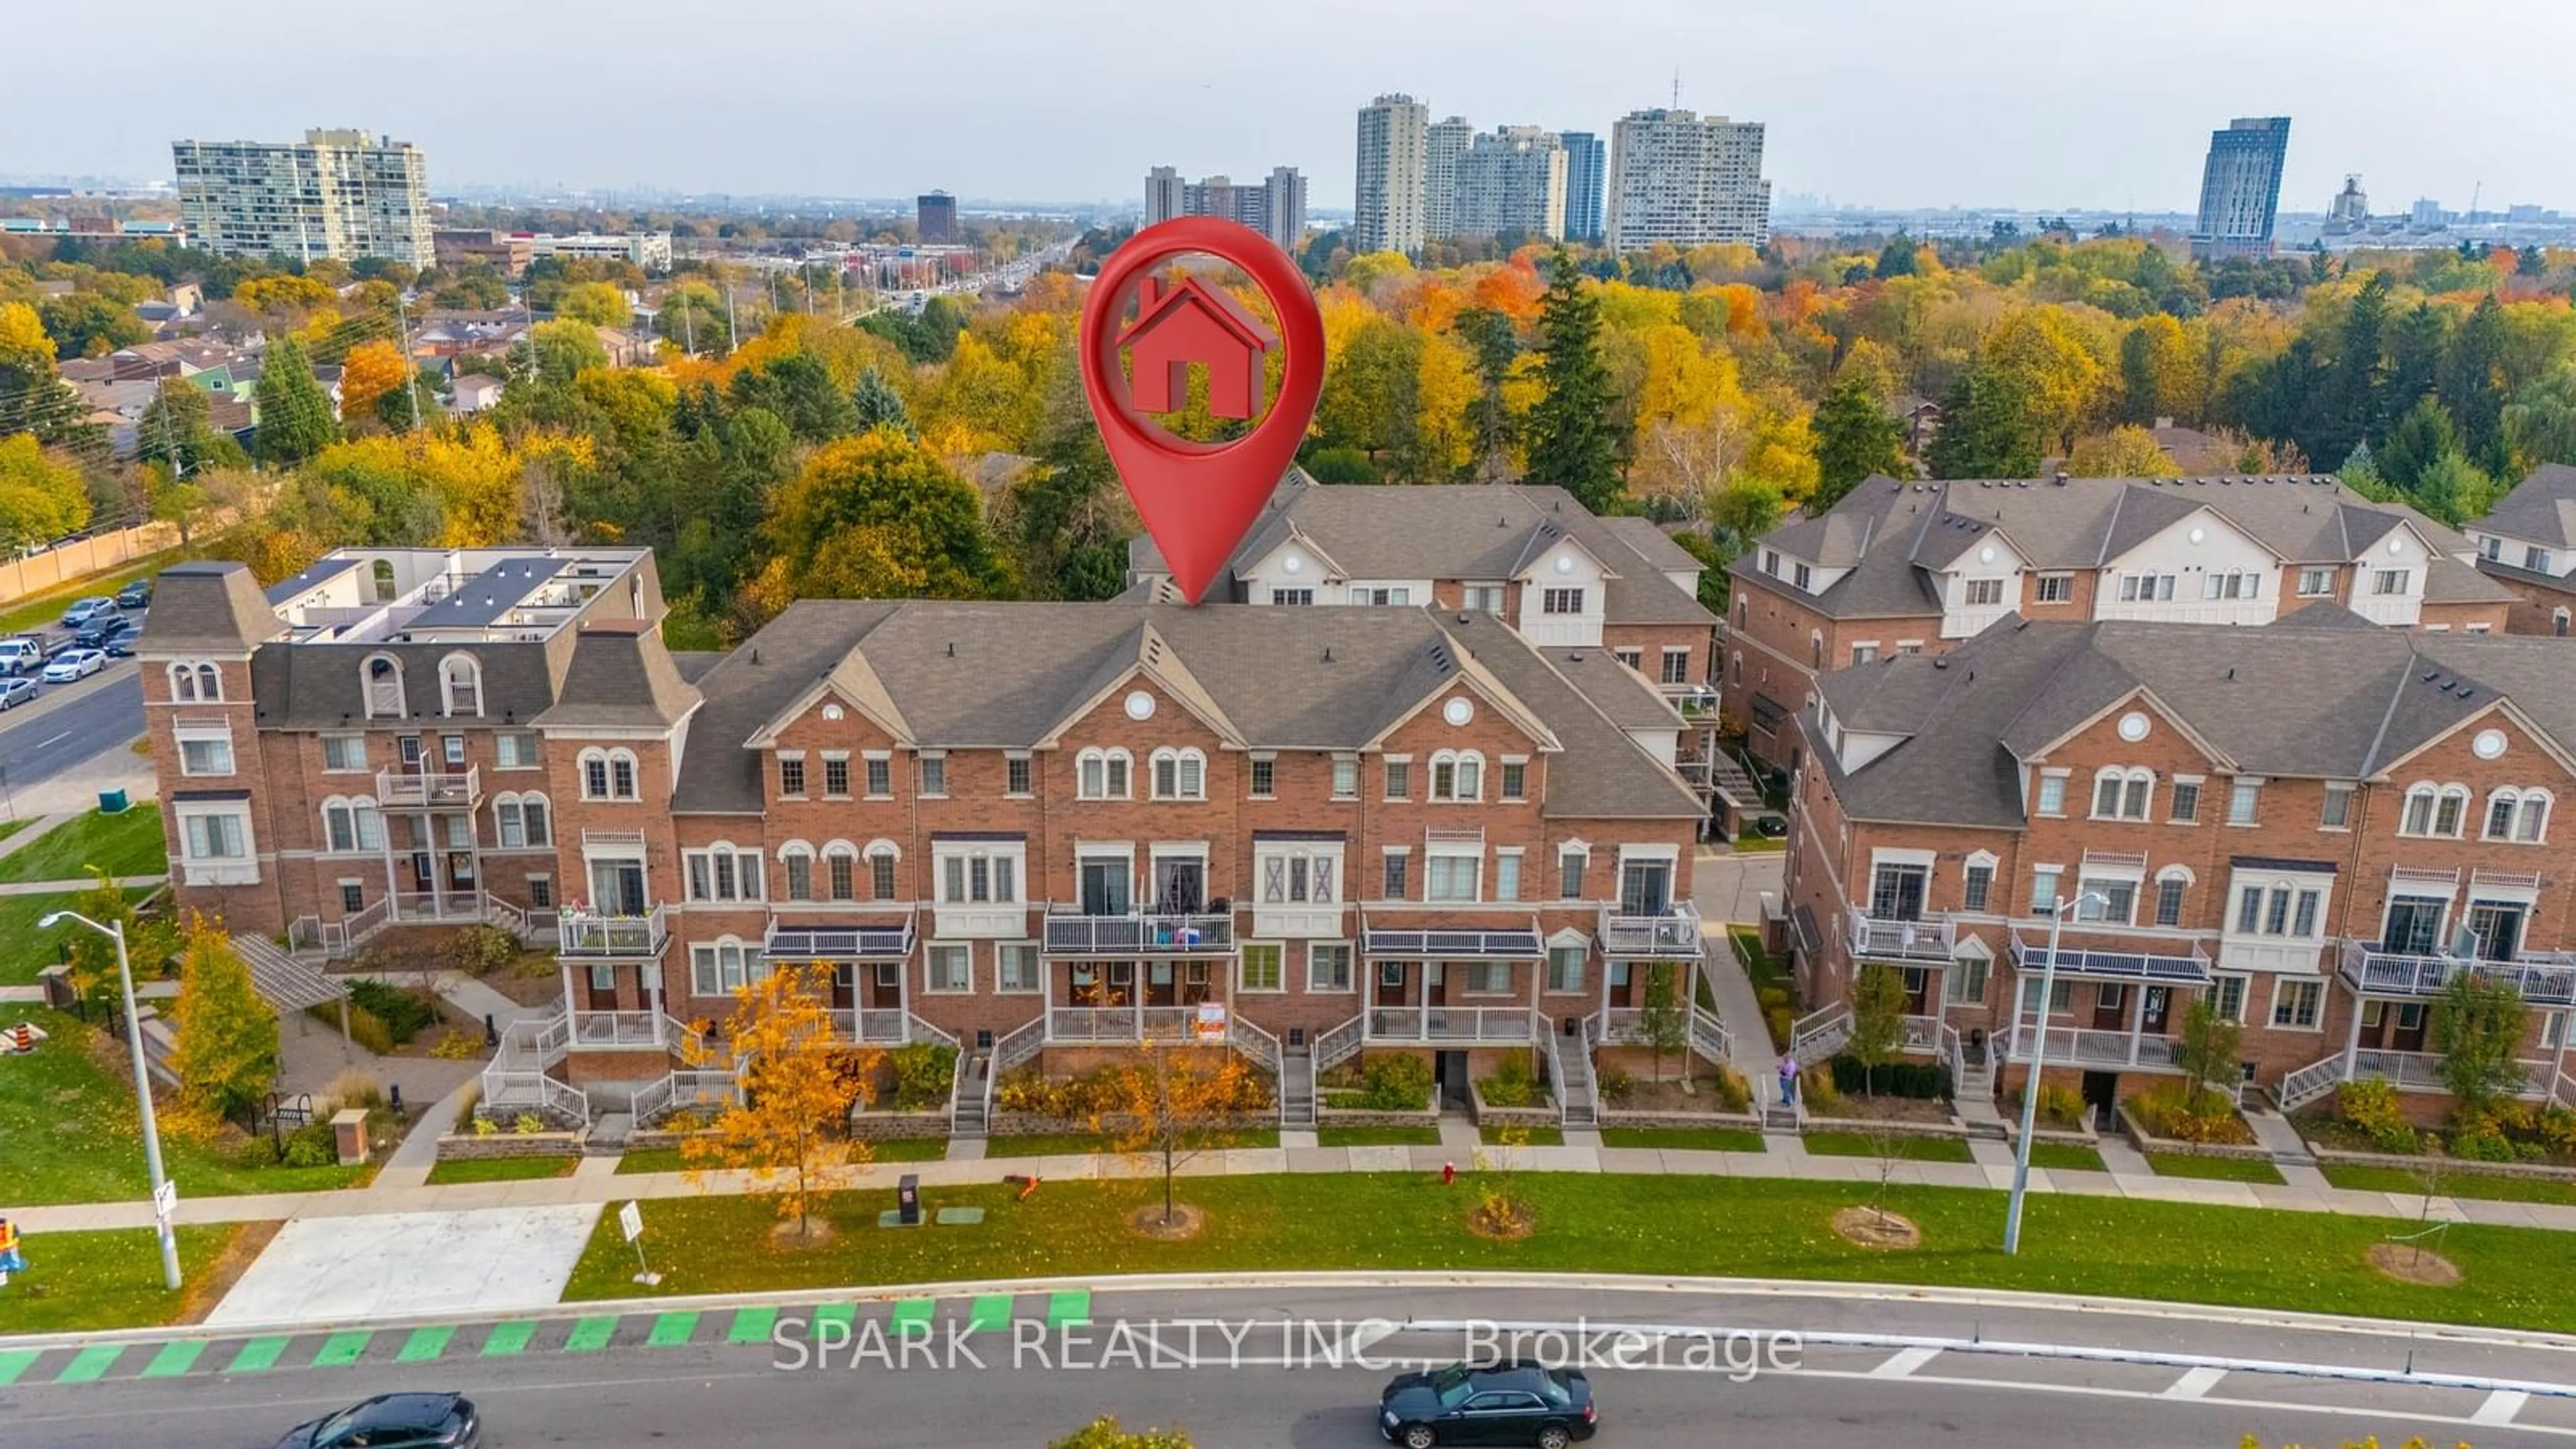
x: 1194, y: 322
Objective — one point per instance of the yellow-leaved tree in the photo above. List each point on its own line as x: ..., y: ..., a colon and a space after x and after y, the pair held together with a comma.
x: 1171, y: 1101
x: 371, y: 370
x: 789, y: 1124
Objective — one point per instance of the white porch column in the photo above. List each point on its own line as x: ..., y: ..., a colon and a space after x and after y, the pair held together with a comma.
x: 2138, y: 1020
x: 567, y: 987
x: 2352, y: 1038
x: 649, y: 973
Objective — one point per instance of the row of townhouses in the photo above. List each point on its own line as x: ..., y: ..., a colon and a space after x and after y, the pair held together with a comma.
x: 1448, y: 817
x: 2313, y: 824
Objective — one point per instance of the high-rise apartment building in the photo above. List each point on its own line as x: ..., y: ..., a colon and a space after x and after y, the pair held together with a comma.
x: 337, y: 193
x: 1444, y: 145
x: 2240, y: 188
x: 935, y: 217
x: 1586, y: 161
x: 1387, y: 209
x: 1512, y: 180
x: 1276, y: 207
x: 1680, y: 178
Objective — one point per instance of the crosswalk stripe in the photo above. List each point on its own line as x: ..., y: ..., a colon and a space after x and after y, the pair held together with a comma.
x: 1904, y: 1362
x: 2500, y: 1407
x: 15, y: 1362
x: 258, y: 1355
x: 425, y: 1344
x: 1068, y: 1309
x: 508, y: 1339
x: 175, y: 1358
x: 752, y: 1325
x: 341, y: 1349
x: 672, y: 1330
x: 91, y: 1364
x: 590, y: 1335
x: 989, y: 1311
x: 2195, y: 1382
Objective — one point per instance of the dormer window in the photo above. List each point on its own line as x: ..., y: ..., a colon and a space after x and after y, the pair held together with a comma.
x: 460, y: 685
x: 383, y: 680
x: 197, y: 683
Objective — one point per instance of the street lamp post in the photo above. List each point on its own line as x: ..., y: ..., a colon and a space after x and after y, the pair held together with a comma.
x: 2038, y: 1058
x: 142, y: 1089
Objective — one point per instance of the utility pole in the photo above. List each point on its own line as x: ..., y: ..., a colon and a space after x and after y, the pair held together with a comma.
x: 411, y: 369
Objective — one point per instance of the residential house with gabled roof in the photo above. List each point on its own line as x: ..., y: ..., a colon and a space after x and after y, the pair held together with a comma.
x: 1906, y: 567
x: 2527, y: 544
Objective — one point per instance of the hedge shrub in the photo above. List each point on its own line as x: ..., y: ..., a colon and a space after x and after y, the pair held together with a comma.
x: 1922, y: 1080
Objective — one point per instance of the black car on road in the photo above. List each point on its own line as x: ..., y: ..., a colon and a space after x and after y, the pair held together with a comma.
x: 107, y: 634
x: 393, y: 1421
x: 1502, y: 1403
x: 136, y: 595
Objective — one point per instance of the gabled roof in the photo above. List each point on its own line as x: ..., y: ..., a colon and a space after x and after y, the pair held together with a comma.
x: 2541, y: 508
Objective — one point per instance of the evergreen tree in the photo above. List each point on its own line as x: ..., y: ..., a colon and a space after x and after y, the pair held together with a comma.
x: 798, y: 389
x: 2424, y: 434
x: 1572, y: 439
x: 1896, y: 259
x: 2415, y: 346
x: 1983, y: 431
x: 1490, y: 336
x: 294, y: 413
x: 1854, y: 439
x: 880, y: 406
x: 2141, y: 395
x: 1067, y: 522
x: 2472, y: 385
x: 2355, y: 402
x: 176, y: 433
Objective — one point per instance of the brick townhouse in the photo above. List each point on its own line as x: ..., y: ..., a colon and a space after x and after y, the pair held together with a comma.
x: 1917, y: 568
x: 2311, y: 824
x: 1531, y: 556
x: 1024, y: 828
x: 2527, y: 543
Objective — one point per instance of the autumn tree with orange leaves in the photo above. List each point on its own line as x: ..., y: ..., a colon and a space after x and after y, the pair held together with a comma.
x: 789, y: 1124
x: 1172, y: 1101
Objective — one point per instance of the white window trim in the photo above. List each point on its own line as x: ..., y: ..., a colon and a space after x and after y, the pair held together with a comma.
x: 929, y: 975
x: 1025, y: 758
x: 2271, y: 1007
x: 1242, y: 983
x: 1037, y: 968
x: 184, y: 735
x: 1350, y: 960
x: 447, y: 686
x: 876, y: 757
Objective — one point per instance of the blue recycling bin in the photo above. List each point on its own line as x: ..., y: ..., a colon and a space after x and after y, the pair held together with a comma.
x: 111, y: 802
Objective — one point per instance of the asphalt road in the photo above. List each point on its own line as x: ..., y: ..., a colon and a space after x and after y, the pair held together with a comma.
x: 69, y: 723
x: 1016, y: 1384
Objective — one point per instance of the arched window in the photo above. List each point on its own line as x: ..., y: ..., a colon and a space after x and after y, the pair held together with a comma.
x: 840, y: 871
x: 383, y: 576
x: 883, y: 856
x: 2171, y: 884
x: 2533, y: 824
x: 350, y: 826
x: 2451, y: 811
x: 382, y: 676
x: 196, y: 683
x: 1103, y: 774
x: 1457, y: 775
x: 2123, y: 794
x: 594, y: 774
x: 1179, y: 774
x: 460, y: 685
x: 2418, y: 816
x: 522, y: 820
x: 2517, y: 815
x: 621, y: 774
x: 1816, y: 650
x: 2558, y: 621
x: 798, y: 858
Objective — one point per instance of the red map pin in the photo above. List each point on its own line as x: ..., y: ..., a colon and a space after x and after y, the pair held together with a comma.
x: 1199, y: 499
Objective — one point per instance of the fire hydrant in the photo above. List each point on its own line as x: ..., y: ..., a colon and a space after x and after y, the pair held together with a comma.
x: 1448, y: 1173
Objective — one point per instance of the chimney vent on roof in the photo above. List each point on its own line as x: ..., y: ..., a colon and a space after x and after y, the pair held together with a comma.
x: 2231, y: 671
x: 1940, y: 663
x: 952, y: 648
x: 755, y: 656
x: 1328, y: 654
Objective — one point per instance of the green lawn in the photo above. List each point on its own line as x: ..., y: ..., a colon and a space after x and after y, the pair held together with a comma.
x: 500, y: 1169
x: 2493, y: 1186
x: 47, y: 608
x: 897, y: 1149
x: 124, y: 844
x: 1093, y: 1144
x: 1377, y: 1136
x: 1589, y: 1223
x: 78, y: 1281
x: 2065, y: 1157
x: 1494, y: 1135
x: 1749, y: 843
x: 24, y: 950
x: 1690, y: 1139
x: 1757, y: 962
x: 1908, y: 1148
x: 72, y: 1135
x: 651, y: 1159
x: 13, y: 826
x: 2214, y: 1169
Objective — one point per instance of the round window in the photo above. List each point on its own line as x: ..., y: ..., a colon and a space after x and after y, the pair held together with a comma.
x: 2489, y: 744
x: 2134, y: 726
x: 1458, y: 710
x: 1140, y: 705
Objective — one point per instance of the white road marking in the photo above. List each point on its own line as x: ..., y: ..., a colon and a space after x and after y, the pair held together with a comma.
x: 2500, y: 1407
x: 1904, y: 1363
x: 56, y: 740
x: 2195, y: 1383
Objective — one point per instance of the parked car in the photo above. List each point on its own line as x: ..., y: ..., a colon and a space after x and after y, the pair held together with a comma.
x: 74, y: 664
x: 16, y: 691
x: 1503, y: 1403
x: 410, y: 1421
x: 80, y: 614
x: 21, y: 656
x: 114, y: 628
x: 136, y: 595
x: 1771, y: 826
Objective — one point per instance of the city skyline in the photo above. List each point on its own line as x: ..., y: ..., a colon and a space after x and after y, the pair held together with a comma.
x: 2127, y: 121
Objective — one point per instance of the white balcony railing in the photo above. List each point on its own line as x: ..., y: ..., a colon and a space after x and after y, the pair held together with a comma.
x: 1133, y: 934
x: 873, y: 1026
x: 418, y: 789
x: 600, y: 935
x: 1452, y: 1023
x: 622, y: 1029
x: 1703, y: 1033
x: 2549, y: 980
x: 1929, y: 939
x: 1675, y: 933
x: 1079, y: 1024
x: 2070, y: 1046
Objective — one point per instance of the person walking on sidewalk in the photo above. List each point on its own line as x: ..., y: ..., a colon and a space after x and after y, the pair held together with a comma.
x: 1788, y: 1081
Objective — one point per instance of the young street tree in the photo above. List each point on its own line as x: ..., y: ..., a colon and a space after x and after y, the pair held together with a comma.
x: 93, y: 956
x: 1877, y: 1022
x: 2210, y: 1048
x: 789, y: 1125
x: 294, y: 413
x: 1171, y: 1102
x: 227, y: 1036
x: 1663, y: 1016
x: 1104, y: 1433
x: 1573, y: 440
x: 2477, y: 1027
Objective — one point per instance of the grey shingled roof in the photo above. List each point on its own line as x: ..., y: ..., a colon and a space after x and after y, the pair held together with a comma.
x: 211, y: 605
x: 1616, y: 690
x: 1008, y: 675
x: 2540, y: 509
x: 2367, y: 699
x: 316, y: 685
x: 621, y: 677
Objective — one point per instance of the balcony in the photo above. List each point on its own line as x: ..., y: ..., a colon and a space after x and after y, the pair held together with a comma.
x: 419, y: 790
x: 1133, y: 935
x: 587, y: 935
x: 838, y: 944
x: 1298, y: 920
x: 626, y: 1031
x: 979, y: 921
x: 1078, y: 1025
x: 1520, y: 943
x: 2546, y: 980
x: 874, y: 1026
x: 2166, y: 963
x: 1929, y: 939
x: 2082, y: 1047
x: 1449, y: 1025
x: 1674, y: 934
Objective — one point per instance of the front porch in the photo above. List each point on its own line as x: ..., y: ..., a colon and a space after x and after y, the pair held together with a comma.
x: 2394, y: 995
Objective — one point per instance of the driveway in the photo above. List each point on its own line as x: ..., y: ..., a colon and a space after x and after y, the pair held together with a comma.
x: 491, y: 1260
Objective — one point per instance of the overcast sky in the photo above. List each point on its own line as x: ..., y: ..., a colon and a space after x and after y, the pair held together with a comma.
x: 2040, y: 103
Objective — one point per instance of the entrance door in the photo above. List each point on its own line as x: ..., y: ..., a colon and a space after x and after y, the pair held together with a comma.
x: 2101, y: 1092
x: 2110, y: 1007
x: 1645, y: 888
x: 1621, y: 984
x: 1161, y: 988
x: 1180, y: 885
x: 2159, y: 1009
x: 1104, y: 887
x: 2408, y: 1034
x: 885, y: 988
x: 617, y: 887
x: 1390, y: 983
x: 844, y: 991
x: 2498, y: 927
x: 1918, y: 990
x: 1896, y: 893
x: 1450, y: 1068
x: 603, y: 987
x: 2414, y: 925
